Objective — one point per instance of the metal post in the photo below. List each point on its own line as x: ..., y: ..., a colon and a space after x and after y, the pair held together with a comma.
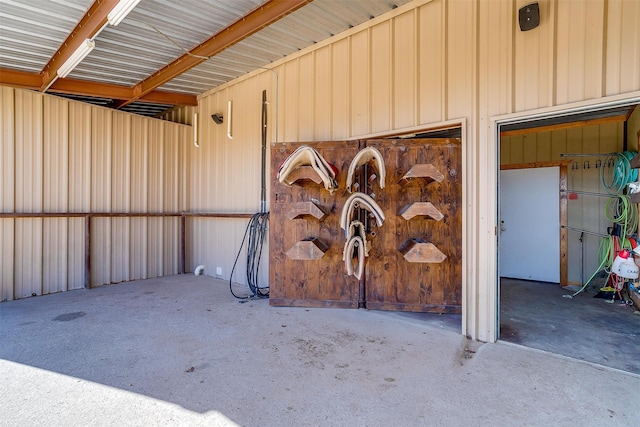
x: 183, y: 250
x: 87, y: 252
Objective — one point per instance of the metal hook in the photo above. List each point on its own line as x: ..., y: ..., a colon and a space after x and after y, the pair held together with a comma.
x: 598, y: 164
x: 610, y: 162
x: 574, y: 165
x: 585, y: 164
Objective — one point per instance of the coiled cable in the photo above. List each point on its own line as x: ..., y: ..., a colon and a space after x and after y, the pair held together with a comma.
x: 621, y: 172
x: 621, y: 211
x: 256, y: 231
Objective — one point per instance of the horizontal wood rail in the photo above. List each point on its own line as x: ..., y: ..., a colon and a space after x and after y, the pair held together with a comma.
x: 89, y: 215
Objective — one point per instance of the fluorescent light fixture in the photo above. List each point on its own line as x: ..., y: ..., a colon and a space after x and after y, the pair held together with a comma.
x: 81, y: 52
x: 120, y: 11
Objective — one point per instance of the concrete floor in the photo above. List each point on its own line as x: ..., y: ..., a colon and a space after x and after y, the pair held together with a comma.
x: 537, y: 315
x: 181, y: 350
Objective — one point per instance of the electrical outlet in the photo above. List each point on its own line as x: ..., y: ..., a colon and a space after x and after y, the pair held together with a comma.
x: 219, y: 271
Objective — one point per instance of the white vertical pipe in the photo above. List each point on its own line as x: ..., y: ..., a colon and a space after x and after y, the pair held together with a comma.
x: 195, y: 130
x: 229, y: 120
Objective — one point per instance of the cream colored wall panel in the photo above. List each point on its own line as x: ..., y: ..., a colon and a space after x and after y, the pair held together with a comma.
x: 622, y: 47
x: 207, y: 233
x: 76, y: 253
x: 630, y: 58
x: 194, y: 168
x: 171, y: 202
x: 290, y: 101
x: 155, y: 198
x: 139, y: 202
x: 7, y: 191
x: 185, y: 138
x: 183, y: 115
x: 382, y: 64
x: 79, y: 157
x: 28, y: 193
x: 170, y: 246
x: 306, y: 97
x: 120, y: 196
x: 28, y: 257
x: 7, y: 255
x: 534, y: 54
x: 56, y: 154
x: 28, y: 152
x: 580, y: 28
x: 101, y: 148
x: 56, y: 194
x: 360, y: 84
x: 432, y: 62
x: 155, y: 167
x: 138, y: 249
x: 171, y: 173
x: 405, y: 70
x: 120, y: 246
x: 461, y: 59
x: 340, y: 89
x: 54, y: 254
x: 495, y: 59
x: 7, y: 149
x: 322, y: 93
x: 100, y: 251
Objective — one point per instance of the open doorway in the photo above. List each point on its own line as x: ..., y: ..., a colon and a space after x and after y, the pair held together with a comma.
x: 569, y: 315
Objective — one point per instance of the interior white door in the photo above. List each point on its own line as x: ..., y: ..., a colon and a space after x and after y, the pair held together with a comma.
x: 529, y: 241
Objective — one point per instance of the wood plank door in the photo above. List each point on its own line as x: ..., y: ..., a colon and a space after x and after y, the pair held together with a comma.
x: 294, y: 280
x: 405, y: 270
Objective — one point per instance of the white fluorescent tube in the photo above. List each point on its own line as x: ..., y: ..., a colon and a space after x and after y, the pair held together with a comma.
x: 81, y: 52
x: 120, y: 11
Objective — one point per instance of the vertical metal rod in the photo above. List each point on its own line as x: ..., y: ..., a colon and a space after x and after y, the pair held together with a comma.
x: 263, y: 188
x: 582, y: 259
x: 183, y: 245
x: 87, y: 252
x: 362, y: 300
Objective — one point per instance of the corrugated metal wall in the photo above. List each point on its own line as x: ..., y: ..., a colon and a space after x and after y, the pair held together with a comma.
x: 422, y: 64
x: 63, y: 156
x: 182, y: 115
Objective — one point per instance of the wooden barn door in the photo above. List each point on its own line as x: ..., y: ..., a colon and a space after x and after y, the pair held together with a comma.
x: 305, y: 264
x: 415, y: 259
x: 414, y: 262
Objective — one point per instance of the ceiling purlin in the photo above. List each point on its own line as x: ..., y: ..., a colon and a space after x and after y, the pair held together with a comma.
x: 255, y: 20
x: 106, y: 90
x: 91, y: 23
x: 32, y: 81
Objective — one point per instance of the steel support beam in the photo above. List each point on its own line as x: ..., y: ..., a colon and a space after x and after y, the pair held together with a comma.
x: 244, y: 27
x: 91, y: 23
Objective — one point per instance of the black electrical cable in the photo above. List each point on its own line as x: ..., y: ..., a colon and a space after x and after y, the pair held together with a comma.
x: 256, y: 231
